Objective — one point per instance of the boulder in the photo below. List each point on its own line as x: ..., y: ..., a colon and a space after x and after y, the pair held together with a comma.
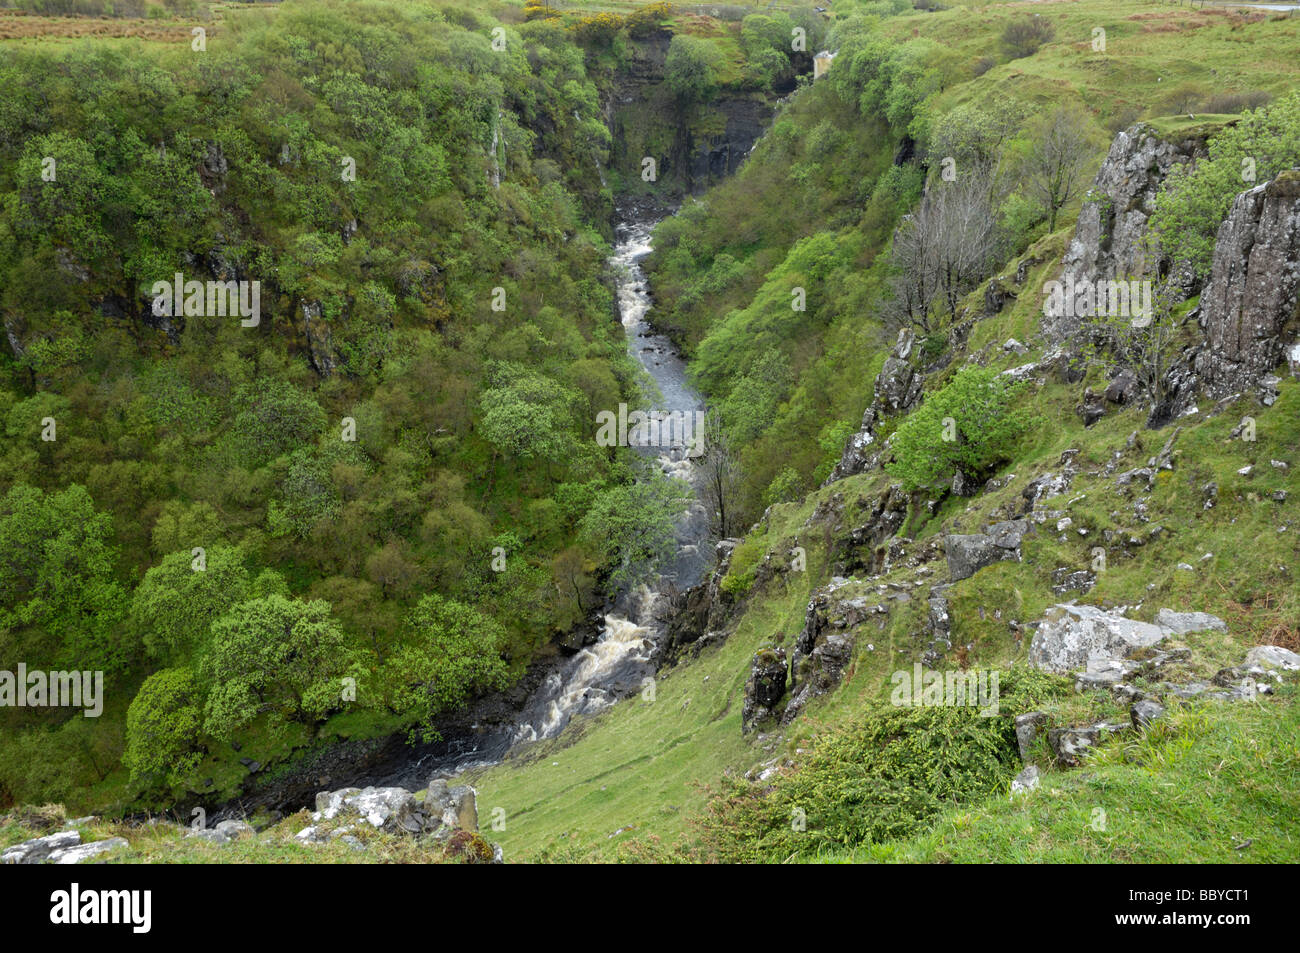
x: 1273, y: 656
x: 1123, y: 388
x: 39, y: 848
x: 967, y: 554
x: 83, y: 852
x: 1145, y: 711
x: 455, y: 808
x: 1181, y: 623
x: 235, y: 829
x: 1072, y: 636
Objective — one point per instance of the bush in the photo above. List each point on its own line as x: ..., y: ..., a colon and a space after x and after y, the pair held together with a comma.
x: 1024, y: 35
x: 883, y: 778
x: 969, y: 425
x: 648, y: 20
x: 1196, y: 199
x: 162, y: 727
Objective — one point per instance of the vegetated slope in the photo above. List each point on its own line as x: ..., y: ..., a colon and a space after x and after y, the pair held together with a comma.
x: 389, y: 463
x: 374, y: 494
x: 815, y: 207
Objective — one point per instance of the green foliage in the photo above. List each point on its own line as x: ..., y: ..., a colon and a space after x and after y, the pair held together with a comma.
x: 176, y: 603
x: 163, y: 726
x: 970, y: 424
x: 1197, y: 197
x: 632, y: 525
x: 452, y: 652
x: 691, y: 69
x: 56, y: 578
x: 885, y: 776
x: 274, y: 655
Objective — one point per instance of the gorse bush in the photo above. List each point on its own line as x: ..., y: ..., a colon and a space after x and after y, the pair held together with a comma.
x: 880, y: 778
x: 970, y: 425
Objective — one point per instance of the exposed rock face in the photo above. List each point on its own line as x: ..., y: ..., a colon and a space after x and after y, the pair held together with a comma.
x: 1073, y: 636
x: 320, y: 343
x: 698, y: 617
x: 64, y: 847
x: 1249, y: 306
x: 897, y: 390
x: 640, y: 111
x: 967, y: 554
x: 765, y: 688
x: 1109, y: 240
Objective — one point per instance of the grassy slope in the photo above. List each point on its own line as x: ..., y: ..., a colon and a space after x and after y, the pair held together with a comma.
x: 603, y: 780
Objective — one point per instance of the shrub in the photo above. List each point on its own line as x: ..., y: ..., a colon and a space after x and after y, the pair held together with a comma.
x: 882, y: 778
x: 1024, y: 35
x: 647, y: 20
x: 969, y: 425
x: 163, y: 725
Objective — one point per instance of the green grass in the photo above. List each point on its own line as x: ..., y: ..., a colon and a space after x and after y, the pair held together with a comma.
x: 1193, y: 791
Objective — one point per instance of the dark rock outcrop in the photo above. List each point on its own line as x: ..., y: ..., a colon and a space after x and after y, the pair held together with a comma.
x: 765, y: 688
x: 1248, y: 309
x: 1109, y: 241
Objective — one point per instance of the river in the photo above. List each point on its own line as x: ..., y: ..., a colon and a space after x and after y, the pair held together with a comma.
x: 616, y: 665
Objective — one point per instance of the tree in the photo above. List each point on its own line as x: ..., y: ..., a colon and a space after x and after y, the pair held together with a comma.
x: 941, y: 251
x: 56, y: 576
x: 1056, y: 162
x: 163, y: 726
x: 452, y: 652
x: 1146, y: 347
x: 720, y: 481
x: 1197, y: 197
x: 691, y: 69
x: 633, y: 525
x: 176, y: 603
x: 274, y: 655
x: 970, y: 424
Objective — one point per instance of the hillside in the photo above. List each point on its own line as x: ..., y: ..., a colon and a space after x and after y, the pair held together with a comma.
x: 382, y: 513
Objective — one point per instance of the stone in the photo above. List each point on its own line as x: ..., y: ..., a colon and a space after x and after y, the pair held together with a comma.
x: 1072, y: 636
x: 210, y: 834
x: 1181, y: 623
x: 37, y: 849
x: 1123, y: 388
x: 1091, y: 409
x: 83, y: 852
x: 1145, y: 711
x: 383, y: 808
x: 765, y: 688
x: 1273, y: 656
x: 329, y: 804
x: 1028, y: 727
x: 236, y: 829
x: 967, y: 554
x: 1025, y: 781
